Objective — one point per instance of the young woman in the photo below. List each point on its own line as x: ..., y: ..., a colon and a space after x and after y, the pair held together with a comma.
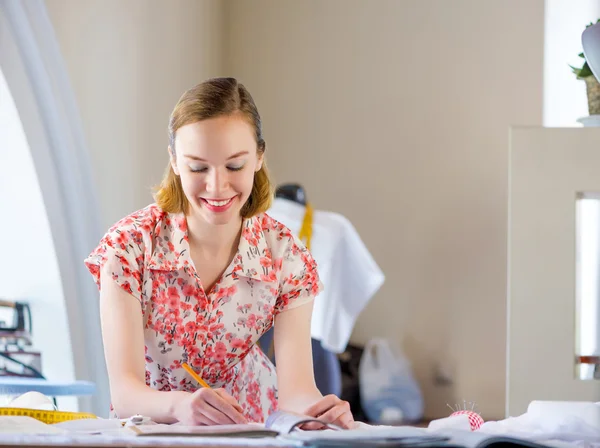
x: 200, y: 275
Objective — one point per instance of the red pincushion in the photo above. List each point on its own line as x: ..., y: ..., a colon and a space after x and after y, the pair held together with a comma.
x: 474, y: 419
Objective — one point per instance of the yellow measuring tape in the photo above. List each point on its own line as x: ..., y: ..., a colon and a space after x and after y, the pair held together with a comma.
x: 306, y: 229
x: 49, y: 417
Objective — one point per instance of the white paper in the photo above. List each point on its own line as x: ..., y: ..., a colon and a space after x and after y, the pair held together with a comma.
x: 91, y: 425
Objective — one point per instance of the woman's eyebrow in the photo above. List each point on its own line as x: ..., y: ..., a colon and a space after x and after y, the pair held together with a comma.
x: 241, y: 153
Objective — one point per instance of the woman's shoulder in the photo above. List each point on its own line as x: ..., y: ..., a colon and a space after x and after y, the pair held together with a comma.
x: 137, y: 230
x: 142, y: 221
x: 270, y: 224
x: 299, y: 278
x: 125, y: 246
x: 279, y: 238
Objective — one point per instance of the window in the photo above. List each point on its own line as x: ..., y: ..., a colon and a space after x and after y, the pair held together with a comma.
x: 588, y: 281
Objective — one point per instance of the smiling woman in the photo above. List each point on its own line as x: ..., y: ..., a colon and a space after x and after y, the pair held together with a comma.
x: 210, y: 272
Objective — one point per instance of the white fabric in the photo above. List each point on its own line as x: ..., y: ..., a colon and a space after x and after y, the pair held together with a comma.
x: 347, y: 270
x: 547, y: 421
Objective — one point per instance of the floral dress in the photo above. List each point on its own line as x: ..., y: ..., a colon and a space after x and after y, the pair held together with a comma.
x: 214, y: 331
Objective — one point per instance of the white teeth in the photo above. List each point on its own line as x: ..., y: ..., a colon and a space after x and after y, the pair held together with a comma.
x: 218, y: 203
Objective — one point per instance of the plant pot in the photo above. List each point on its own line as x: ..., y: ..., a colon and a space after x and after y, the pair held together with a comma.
x: 591, y: 121
x: 593, y: 94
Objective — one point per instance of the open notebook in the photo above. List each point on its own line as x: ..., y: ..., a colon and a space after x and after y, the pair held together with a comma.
x: 279, y: 423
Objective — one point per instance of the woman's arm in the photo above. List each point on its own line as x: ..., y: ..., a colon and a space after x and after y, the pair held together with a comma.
x: 123, y: 337
x: 295, y: 376
x: 293, y: 351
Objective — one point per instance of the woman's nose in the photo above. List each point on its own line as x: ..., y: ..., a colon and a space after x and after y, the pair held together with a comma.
x: 216, y: 182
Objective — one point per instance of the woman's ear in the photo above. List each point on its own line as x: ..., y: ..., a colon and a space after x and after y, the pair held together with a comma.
x: 173, y: 160
x: 259, y: 163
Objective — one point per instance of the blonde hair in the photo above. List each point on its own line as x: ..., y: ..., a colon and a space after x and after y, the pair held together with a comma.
x: 215, y: 98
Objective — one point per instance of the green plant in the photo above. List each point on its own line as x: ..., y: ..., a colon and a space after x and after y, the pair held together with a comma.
x: 585, y: 70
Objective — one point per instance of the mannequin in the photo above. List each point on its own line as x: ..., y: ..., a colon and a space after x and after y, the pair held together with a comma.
x: 347, y: 269
x: 292, y: 192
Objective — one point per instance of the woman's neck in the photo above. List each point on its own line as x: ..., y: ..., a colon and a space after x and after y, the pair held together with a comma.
x: 210, y: 241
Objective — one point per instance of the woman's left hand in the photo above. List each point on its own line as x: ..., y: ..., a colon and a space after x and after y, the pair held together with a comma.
x: 331, y: 409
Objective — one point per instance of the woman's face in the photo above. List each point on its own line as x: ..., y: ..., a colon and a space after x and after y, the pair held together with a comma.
x: 216, y: 160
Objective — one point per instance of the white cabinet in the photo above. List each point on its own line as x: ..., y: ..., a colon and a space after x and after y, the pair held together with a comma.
x: 553, y: 299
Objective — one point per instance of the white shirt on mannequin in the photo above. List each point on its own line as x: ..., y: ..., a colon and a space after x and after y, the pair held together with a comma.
x: 347, y: 270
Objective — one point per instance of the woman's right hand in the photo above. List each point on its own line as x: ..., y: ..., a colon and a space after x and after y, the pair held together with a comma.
x: 209, y: 407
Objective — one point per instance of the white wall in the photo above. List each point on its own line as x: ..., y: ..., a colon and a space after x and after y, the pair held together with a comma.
x: 396, y: 114
x: 28, y: 266
x: 128, y: 63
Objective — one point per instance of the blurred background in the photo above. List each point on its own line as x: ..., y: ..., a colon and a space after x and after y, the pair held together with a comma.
x: 393, y: 113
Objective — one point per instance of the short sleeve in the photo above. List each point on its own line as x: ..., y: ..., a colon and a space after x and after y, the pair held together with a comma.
x: 299, y: 280
x: 120, y: 251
